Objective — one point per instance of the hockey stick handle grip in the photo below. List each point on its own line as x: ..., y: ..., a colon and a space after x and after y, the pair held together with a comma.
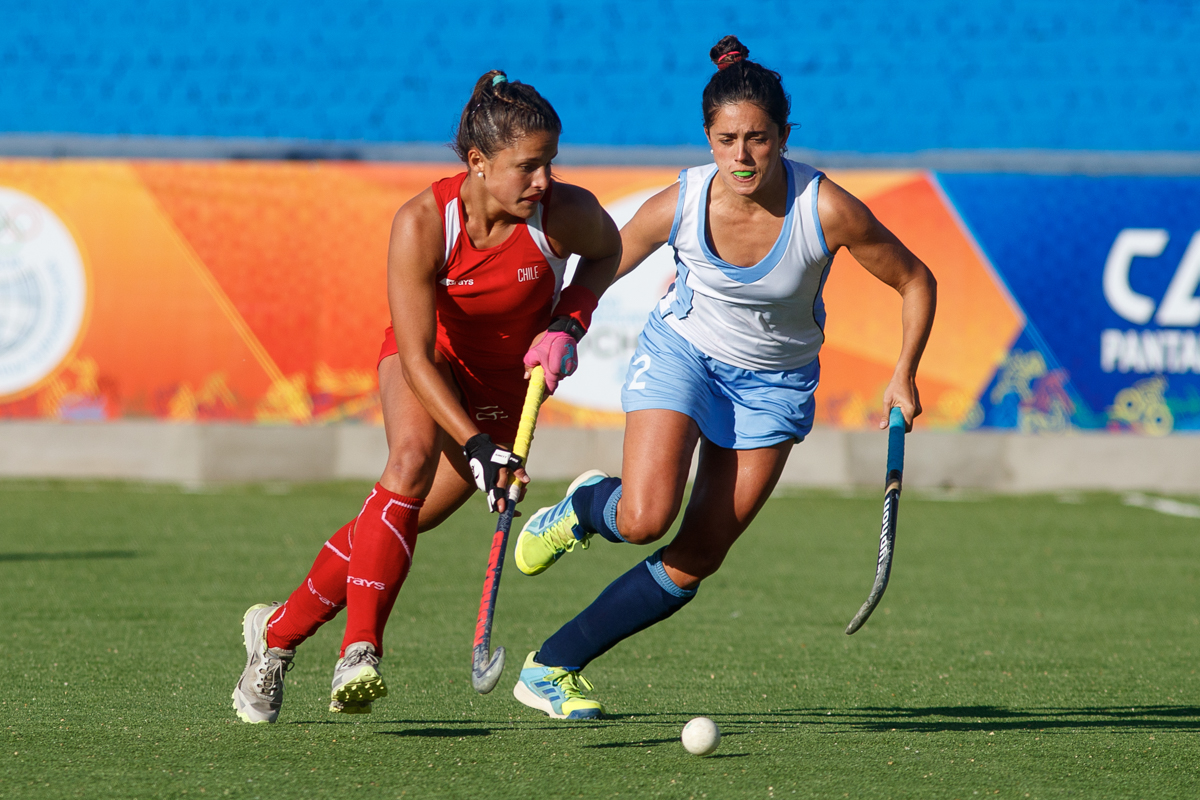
x: 895, y: 458
x: 529, y: 413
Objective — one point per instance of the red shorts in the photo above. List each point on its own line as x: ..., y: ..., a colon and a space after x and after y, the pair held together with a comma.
x: 493, y: 398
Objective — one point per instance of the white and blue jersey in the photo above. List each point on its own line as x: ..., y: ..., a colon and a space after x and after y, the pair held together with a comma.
x: 735, y: 348
x: 766, y: 317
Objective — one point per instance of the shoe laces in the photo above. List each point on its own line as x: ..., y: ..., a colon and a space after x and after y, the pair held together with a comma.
x: 358, y: 656
x: 271, y: 672
x: 570, y: 682
x: 562, y: 536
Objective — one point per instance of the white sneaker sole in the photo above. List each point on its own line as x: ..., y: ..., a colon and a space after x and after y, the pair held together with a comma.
x: 526, y: 696
x: 591, y: 473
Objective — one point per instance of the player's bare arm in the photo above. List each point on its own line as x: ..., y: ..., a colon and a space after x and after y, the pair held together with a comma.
x: 579, y: 224
x: 576, y: 224
x: 847, y: 222
x: 415, y: 254
x: 648, y: 230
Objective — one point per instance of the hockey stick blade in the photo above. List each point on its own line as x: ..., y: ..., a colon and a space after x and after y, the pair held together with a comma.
x: 891, y: 511
x: 485, y: 674
x: 883, y: 567
x: 485, y: 671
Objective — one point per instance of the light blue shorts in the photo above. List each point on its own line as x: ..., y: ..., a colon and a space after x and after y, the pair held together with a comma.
x: 736, y: 408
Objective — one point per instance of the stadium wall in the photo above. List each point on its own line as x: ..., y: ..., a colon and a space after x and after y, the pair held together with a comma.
x: 197, y: 455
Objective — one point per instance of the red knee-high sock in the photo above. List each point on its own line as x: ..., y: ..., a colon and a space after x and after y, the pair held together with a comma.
x: 385, y: 535
x: 318, y: 598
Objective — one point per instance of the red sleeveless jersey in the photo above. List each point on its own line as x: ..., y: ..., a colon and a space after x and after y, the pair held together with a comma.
x: 492, y: 302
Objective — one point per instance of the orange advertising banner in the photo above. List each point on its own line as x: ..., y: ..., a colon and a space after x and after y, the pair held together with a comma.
x: 255, y: 292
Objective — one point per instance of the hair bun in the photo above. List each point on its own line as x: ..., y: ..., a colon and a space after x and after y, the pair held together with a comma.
x: 728, y: 52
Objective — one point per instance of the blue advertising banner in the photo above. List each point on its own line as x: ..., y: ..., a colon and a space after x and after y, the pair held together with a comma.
x: 1106, y: 272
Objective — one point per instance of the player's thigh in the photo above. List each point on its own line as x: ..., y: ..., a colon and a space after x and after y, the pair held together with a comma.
x: 730, y: 489
x: 415, y: 441
x: 452, y: 486
x: 659, y: 445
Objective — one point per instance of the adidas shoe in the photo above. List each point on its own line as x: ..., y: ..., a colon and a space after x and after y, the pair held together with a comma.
x: 258, y: 695
x: 356, y: 679
x: 553, y: 530
x: 556, y: 691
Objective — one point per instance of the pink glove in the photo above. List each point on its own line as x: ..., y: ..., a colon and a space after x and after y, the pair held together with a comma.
x: 556, y: 353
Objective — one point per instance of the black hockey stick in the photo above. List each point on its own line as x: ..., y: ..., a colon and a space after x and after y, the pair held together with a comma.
x: 485, y: 670
x: 891, y: 510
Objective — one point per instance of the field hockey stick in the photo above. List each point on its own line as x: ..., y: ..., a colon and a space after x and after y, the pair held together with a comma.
x: 485, y: 671
x: 891, y: 510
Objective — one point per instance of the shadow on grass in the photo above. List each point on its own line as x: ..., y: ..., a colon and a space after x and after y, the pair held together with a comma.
x: 674, y: 740
x: 69, y: 555
x: 932, y: 719
x: 941, y: 719
x: 631, y: 743
x: 439, y: 733
x: 369, y: 725
x: 996, y: 718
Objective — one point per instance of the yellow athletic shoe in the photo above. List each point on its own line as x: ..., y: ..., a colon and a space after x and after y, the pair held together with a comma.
x: 553, y: 530
x: 556, y: 691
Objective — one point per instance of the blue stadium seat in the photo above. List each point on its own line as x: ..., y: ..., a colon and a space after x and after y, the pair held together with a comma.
x: 869, y: 77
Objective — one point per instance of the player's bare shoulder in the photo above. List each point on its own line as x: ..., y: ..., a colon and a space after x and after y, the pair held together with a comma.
x: 845, y: 220
x: 653, y: 221
x: 417, y: 236
x: 568, y: 206
x: 420, y: 211
x: 577, y: 223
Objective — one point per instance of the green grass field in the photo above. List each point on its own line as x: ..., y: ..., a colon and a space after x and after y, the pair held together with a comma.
x: 1032, y: 647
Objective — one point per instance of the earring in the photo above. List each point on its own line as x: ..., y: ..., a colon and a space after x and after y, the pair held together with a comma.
x: 480, y: 174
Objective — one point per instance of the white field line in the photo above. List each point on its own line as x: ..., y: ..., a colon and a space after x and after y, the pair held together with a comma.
x: 1162, y: 505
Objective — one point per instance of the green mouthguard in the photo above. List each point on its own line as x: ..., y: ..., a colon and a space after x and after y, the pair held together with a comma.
x: 743, y: 173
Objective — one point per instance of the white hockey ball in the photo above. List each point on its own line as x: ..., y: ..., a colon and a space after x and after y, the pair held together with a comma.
x: 701, y: 736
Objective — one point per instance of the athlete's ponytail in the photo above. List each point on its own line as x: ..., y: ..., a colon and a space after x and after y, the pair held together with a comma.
x: 739, y: 80
x: 501, y: 112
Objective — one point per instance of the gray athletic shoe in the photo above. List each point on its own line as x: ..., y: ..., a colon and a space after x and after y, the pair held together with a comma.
x: 258, y: 695
x: 356, y: 679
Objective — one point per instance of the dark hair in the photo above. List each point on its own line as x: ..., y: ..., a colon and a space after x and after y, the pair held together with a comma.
x: 739, y: 80
x: 499, y: 113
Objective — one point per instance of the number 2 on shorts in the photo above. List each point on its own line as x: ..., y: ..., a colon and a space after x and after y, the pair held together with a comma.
x: 634, y: 383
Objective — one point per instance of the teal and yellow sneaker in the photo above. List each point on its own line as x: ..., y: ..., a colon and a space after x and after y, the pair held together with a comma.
x: 556, y: 691
x: 553, y: 530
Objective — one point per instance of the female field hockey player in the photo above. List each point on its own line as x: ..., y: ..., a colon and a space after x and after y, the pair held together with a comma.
x: 728, y: 357
x: 475, y: 273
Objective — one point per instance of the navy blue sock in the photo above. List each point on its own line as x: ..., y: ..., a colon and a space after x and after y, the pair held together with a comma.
x: 633, y: 602
x: 596, y: 507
